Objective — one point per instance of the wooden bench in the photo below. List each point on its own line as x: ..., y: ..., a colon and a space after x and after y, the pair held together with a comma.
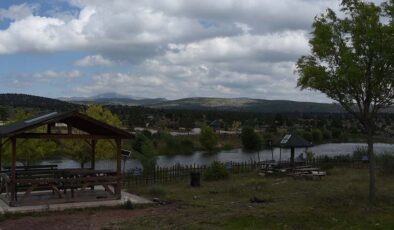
x: 33, y: 178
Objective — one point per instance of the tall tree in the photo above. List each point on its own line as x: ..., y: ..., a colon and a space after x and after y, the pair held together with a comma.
x: 80, y: 151
x: 251, y: 140
x: 352, y: 62
x: 208, y: 138
x: 30, y: 151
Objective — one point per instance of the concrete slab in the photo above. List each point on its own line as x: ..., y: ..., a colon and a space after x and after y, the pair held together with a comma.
x: 134, y: 199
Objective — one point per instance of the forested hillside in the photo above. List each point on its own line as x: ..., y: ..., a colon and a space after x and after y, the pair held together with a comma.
x: 41, y: 103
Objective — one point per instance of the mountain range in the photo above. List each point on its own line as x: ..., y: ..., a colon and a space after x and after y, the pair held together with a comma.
x: 209, y: 103
x: 193, y: 103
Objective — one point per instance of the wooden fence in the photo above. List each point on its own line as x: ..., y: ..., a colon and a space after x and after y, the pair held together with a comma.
x: 163, y: 175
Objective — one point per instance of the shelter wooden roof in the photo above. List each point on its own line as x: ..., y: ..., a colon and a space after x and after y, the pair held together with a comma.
x: 74, y: 119
x: 294, y: 141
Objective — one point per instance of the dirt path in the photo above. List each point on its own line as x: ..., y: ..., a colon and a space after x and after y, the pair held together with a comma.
x: 81, y: 220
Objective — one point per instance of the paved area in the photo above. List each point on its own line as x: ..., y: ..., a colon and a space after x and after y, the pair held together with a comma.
x: 59, y: 207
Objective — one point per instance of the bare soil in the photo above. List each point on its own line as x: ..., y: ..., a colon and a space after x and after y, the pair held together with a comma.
x: 81, y: 220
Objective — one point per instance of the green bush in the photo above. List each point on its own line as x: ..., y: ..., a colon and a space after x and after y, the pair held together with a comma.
x: 187, y: 146
x: 326, y: 134
x: 386, y: 163
x: 228, y: 146
x: 307, y: 135
x: 250, y: 139
x: 336, y: 133
x: 174, y: 145
x: 317, y: 135
x: 309, y: 155
x: 216, y: 171
x: 147, y: 157
x: 208, y: 138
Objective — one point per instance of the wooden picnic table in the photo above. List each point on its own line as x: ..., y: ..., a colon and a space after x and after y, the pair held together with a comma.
x: 62, y: 179
x: 82, y: 178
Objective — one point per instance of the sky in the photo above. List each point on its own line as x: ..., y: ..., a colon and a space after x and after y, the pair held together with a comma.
x: 148, y: 48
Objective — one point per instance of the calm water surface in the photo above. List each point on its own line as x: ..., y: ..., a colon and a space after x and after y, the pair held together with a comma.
x: 236, y: 155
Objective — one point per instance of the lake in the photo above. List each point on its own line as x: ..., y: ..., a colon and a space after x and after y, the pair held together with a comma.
x: 236, y: 155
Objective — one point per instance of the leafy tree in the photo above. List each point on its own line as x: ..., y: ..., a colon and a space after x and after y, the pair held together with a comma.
x: 250, y: 139
x: 236, y: 125
x: 147, y: 155
x: 336, y: 133
x: 30, y: 151
x: 81, y: 151
x: 187, y: 123
x: 307, y: 135
x: 317, y: 135
x: 326, y: 134
x: 208, y: 138
x: 139, y: 141
x: 3, y: 113
x: 352, y: 62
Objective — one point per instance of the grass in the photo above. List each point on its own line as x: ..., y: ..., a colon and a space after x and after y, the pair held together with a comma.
x: 339, y: 201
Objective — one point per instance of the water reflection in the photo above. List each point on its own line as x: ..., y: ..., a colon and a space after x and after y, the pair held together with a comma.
x: 236, y: 155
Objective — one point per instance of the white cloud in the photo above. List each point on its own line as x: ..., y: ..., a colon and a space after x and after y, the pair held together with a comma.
x: 17, y: 12
x: 94, y: 60
x: 175, y: 48
x: 51, y: 75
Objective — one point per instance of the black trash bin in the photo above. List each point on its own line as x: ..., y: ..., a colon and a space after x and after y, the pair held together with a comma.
x: 195, y: 179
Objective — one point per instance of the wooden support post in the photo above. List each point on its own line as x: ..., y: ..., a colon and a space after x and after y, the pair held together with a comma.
x: 93, y: 157
x: 49, y: 128
x: 1, y: 153
x: 118, y: 168
x: 292, y: 157
x: 69, y: 129
x: 13, y: 173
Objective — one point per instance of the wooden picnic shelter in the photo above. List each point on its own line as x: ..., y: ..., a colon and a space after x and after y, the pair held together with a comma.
x: 293, y: 141
x: 27, y: 179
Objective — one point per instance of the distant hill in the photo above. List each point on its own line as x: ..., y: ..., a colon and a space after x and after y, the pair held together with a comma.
x: 206, y: 103
x: 30, y: 101
x: 195, y: 103
x: 113, y: 99
x: 248, y: 105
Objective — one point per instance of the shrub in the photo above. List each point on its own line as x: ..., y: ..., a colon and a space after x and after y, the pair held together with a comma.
x: 174, y: 145
x: 326, y: 134
x: 147, y: 157
x: 216, y: 171
x: 317, y: 135
x: 307, y: 135
x: 208, y: 138
x: 228, y: 146
x: 309, y: 155
x: 187, y: 146
x: 386, y: 163
x: 336, y: 133
x: 250, y: 139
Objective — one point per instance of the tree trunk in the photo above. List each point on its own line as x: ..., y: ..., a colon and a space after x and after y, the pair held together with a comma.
x: 372, y: 163
x: 82, y: 165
